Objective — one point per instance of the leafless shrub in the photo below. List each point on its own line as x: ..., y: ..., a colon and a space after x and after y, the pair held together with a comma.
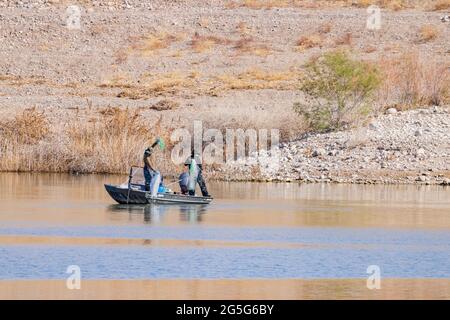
x: 345, y: 39
x: 310, y: 41
x: 427, y: 33
x: 411, y: 80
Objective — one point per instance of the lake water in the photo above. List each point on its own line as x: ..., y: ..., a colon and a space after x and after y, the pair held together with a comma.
x: 251, y: 231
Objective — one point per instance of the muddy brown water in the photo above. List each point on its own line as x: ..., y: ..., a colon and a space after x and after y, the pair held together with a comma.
x: 271, y: 240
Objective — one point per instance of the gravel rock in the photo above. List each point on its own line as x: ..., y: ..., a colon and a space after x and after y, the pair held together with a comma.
x: 319, y: 152
x: 391, y: 111
x: 392, y: 154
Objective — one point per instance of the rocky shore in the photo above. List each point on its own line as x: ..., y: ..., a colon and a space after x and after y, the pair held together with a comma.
x: 410, y: 147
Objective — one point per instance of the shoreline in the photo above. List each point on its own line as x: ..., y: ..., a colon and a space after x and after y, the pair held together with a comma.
x: 383, y: 180
x: 261, y: 289
x: 399, y: 147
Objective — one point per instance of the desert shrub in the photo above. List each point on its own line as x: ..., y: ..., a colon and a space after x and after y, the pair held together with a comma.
x: 427, y: 33
x: 309, y: 41
x: 165, y: 104
x: 435, y: 86
x: 344, y: 40
x: 411, y: 80
x: 247, y: 45
x: 336, y: 88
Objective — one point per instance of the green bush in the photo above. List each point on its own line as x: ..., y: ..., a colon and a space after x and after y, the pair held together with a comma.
x: 338, y: 90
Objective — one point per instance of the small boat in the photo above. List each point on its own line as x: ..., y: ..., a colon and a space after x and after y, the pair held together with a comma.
x: 134, y: 192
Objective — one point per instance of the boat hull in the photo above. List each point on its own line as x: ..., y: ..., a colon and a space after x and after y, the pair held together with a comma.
x: 133, y: 196
x: 177, y: 198
x: 122, y: 196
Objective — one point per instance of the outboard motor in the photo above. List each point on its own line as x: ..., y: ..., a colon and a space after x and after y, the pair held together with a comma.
x: 193, y: 174
x: 184, y: 182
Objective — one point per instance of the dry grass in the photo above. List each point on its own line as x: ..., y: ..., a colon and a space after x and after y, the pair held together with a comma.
x: 118, y: 80
x: 262, y: 4
x: 243, y: 28
x: 14, y: 80
x: 97, y: 29
x: 170, y: 82
x: 203, y: 22
x: 325, y: 28
x: 28, y: 127
x: 109, y: 142
x: 235, y: 117
x: 157, y: 85
x: 411, y: 80
x: 394, y: 4
x: 385, y: 4
x: 344, y: 40
x: 165, y: 104
x: 112, y: 139
x: 441, y: 5
x: 153, y: 43
x: 255, y: 78
x: 308, y: 42
x: 369, y: 49
x: 120, y: 56
x: 21, y: 141
x: 193, y: 83
x: 364, y: 3
x: 200, y: 43
x: 427, y: 33
x: 246, y: 45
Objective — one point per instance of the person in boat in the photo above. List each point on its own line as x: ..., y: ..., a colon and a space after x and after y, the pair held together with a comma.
x: 193, y: 162
x: 151, y: 175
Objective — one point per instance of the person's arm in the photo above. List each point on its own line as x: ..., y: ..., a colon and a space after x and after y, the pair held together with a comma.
x: 148, y: 152
x: 147, y: 161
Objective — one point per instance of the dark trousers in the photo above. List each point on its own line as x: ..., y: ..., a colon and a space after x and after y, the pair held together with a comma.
x: 201, y: 183
x: 148, y: 175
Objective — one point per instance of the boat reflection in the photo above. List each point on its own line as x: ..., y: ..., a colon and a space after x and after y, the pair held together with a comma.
x: 156, y: 213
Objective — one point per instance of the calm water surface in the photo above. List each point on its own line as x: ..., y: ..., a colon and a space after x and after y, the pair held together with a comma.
x: 250, y: 231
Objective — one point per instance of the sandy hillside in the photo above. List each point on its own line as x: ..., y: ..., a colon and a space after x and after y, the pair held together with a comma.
x: 205, y: 56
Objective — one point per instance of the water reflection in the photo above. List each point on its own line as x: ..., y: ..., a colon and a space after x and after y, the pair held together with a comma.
x: 247, y: 289
x: 252, y: 231
x: 155, y: 213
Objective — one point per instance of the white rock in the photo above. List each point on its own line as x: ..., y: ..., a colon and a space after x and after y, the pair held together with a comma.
x: 391, y: 111
x: 319, y: 152
x: 420, y: 152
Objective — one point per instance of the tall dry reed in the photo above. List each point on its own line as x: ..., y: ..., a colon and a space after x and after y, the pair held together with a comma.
x: 411, y: 80
x: 108, y: 143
